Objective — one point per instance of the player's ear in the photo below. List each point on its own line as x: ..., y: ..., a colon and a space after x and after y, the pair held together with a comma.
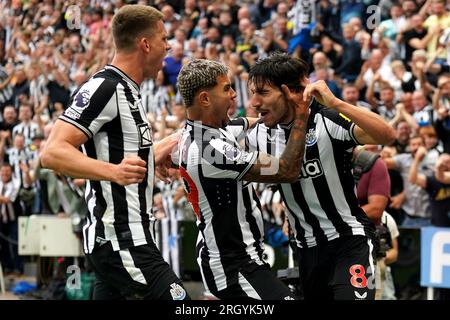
x: 203, y: 98
x: 304, y: 82
x: 144, y: 44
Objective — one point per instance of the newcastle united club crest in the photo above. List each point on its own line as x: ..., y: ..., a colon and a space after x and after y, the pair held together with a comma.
x: 311, y: 138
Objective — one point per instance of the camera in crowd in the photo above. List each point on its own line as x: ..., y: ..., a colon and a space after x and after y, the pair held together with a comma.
x: 383, y: 240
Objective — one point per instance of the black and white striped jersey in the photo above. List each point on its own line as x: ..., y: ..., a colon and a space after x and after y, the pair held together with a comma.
x: 322, y: 203
x: 38, y: 90
x: 16, y: 157
x: 10, y: 210
x: 107, y: 108
x: 155, y: 98
x: 5, y: 93
x: 240, y: 86
x: 229, y: 217
x: 28, y: 130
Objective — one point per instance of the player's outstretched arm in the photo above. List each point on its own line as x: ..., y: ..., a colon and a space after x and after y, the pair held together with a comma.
x: 370, y: 127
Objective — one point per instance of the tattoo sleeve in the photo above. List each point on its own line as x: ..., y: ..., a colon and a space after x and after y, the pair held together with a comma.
x: 286, y: 168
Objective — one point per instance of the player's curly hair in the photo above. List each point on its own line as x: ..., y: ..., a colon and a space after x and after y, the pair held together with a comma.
x: 196, y: 75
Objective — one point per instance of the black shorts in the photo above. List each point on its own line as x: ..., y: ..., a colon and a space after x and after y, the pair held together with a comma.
x: 342, y: 269
x: 134, y: 273
x: 256, y: 282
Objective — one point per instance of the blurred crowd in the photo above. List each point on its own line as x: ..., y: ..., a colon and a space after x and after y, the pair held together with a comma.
x: 391, y: 57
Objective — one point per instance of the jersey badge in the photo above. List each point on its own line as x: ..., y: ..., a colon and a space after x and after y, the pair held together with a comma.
x: 311, y: 138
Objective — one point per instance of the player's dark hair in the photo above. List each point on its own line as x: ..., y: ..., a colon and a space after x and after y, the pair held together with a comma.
x: 277, y: 69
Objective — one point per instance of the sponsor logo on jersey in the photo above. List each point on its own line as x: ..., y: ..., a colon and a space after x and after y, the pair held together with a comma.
x: 311, y: 169
x: 134, y: 106
x: 360, y: 296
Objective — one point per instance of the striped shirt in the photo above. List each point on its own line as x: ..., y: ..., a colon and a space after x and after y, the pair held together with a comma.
x: 107, y: 108
x: 386, y: 113
x: 229, y: 218
x: 240, y: 86
x: 7, y: 92
x: 38, y: 90
x: 11, y: 210
x: 302, y: 14
x: 155, y: 98
x: 167, y: 230
x: 322, y: 204
x: 16, y: 157
x: 28, y: 130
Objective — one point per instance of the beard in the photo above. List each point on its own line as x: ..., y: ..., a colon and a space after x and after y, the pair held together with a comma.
x: 225, y: 122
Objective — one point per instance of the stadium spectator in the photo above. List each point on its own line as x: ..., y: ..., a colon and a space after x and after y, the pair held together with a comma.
x: 10, y: 210
x: 414, y: 201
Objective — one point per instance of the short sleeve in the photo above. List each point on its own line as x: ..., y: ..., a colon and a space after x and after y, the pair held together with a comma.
x: 433, y: 186
x: 400, y: 160
x: 391, y: 224
x: 340, y: 127
x: 93, y: 105
x: 380, y: 181
x: 429, y: 22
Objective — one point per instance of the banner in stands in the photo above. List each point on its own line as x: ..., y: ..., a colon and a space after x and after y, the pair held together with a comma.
x: 435, y: 257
